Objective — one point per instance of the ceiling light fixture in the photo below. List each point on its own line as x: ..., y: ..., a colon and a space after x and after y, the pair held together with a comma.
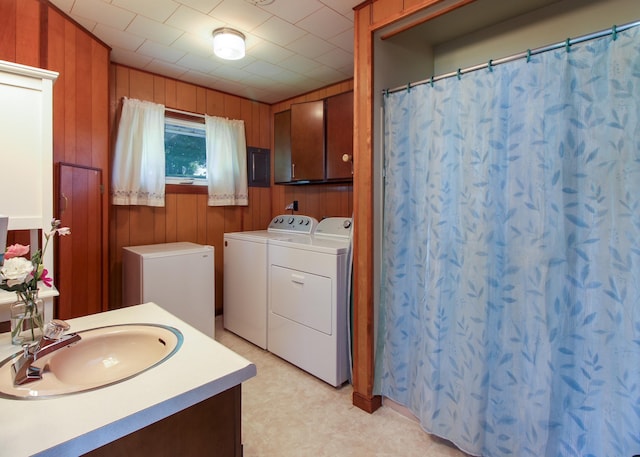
x: 228, y: 43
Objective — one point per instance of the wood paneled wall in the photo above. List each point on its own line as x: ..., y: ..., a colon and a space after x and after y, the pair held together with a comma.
x: 20, y: 32
x: 317, y: 200
x: 80, y: 138
x: 186, y: 216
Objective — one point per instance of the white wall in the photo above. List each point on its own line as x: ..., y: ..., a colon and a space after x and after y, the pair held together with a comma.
x: 549, y: 25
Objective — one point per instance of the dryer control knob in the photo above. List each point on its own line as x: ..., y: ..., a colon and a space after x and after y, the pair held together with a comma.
x: 346, y: 224
x: 291, y: 219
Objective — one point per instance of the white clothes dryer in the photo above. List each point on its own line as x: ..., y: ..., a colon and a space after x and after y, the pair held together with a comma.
x: 308, y: 303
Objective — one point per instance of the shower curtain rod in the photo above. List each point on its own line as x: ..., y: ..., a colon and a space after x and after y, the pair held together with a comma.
x: 530, y: 52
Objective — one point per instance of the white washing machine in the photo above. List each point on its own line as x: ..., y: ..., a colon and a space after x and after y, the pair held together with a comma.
x: 308, y: 302
x: 245, y: 275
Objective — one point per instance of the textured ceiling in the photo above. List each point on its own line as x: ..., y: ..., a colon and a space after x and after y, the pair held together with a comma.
x: 293, y: 46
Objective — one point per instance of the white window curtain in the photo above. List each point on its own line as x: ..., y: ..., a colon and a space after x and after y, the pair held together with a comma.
x: 226, y: 162
x: 139, y: 169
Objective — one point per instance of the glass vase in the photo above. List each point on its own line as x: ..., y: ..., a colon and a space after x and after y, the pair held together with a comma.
x: 27, y: 318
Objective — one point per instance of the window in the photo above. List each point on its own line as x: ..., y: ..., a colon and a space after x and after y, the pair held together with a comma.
x: 185, y: 152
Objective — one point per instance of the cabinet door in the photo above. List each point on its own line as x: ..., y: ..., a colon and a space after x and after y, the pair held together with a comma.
x: 282, y: 147
x: 79, y: 269
x: 307, y: 141
x: 340, y: 136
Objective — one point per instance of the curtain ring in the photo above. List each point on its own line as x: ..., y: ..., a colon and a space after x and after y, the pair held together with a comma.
x: 614, y: 32
x: 528, y: 55
x: 431, y: 81
x: 386, y: 92
x: 567, y: 45
x: 459, y: 74
x: 490, y: 65
x: 408, y: 87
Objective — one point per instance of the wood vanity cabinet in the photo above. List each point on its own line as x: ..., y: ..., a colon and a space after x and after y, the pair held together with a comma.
x: 310, y: 140
x: 211, y: 427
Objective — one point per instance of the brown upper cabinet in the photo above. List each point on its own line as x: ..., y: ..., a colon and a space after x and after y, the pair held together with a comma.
x: 311, y: 139
x: 339, y: 125
x: 282, y: 147
x: 307, y: 141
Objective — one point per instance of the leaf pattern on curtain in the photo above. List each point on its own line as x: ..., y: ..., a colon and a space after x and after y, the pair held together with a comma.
x: 510, y: 294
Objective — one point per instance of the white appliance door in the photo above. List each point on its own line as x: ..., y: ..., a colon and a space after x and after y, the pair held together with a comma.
x: 183, y: 284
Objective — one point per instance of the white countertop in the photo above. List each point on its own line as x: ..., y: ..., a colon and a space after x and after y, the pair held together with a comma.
x: 74, y: 424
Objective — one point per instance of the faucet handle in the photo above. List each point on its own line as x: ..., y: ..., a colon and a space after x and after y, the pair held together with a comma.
x: 54, y: 329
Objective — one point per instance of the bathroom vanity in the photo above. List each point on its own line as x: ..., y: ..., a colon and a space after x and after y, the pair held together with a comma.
x: 188, y: 405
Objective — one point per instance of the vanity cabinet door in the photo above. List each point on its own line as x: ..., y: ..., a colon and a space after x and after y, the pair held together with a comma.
x: 340, y: 136
x: 307, y: 141
x: 282, y: 147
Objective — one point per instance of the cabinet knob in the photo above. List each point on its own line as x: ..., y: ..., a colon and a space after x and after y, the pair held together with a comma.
x: 347, y: 157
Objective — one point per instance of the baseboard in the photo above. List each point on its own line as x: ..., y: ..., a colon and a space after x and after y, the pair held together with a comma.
x: 400, y: 409
x: 368, y: 404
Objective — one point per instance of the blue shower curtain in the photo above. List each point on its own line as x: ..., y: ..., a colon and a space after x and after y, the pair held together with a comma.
x: 510, y: 291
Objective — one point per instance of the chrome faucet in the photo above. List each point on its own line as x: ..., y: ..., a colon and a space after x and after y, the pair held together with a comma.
x: 24, y: 370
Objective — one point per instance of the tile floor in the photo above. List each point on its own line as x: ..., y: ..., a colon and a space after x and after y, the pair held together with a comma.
x: 289, y: 413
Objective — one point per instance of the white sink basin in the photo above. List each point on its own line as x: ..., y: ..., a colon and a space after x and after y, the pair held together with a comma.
x: 103, y: 356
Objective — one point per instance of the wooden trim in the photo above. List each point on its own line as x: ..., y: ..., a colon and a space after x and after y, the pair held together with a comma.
x: 314, y: 91
x: 185, y: 189
x: 426, y: 18
x: 363, y: 4
x: 363, y: 312
x: 367, y: 403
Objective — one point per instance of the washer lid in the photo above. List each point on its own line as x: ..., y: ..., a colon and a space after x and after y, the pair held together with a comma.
x: 257, y: 236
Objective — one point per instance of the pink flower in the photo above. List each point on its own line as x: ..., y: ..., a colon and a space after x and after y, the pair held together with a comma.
x: 16, y: 250
x: 46, y: 279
